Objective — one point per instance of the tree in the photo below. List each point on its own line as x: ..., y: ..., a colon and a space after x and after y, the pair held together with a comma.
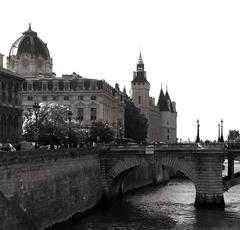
x: 136, y: 124
x: 53, y: 124
x: 101, y: 132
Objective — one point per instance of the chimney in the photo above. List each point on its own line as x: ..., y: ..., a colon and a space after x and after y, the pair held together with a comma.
x: 1, y: 60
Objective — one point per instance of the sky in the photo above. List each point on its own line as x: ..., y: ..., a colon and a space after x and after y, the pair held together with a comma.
x: 191, y: 46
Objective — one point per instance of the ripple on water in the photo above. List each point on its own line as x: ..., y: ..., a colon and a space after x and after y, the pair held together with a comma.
x: 164, y: 207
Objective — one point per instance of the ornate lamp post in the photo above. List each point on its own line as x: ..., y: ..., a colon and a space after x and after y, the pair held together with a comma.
x: 219, y: 138
x: 69, y: 114
x: 36, y: 108
x: 198, y: 137
x: 222, y: 139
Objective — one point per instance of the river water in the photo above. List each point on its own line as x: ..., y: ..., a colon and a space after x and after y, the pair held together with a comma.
x: 168, y: 206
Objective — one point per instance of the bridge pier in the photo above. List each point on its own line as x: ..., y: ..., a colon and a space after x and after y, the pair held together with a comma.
x: 209, y: 200
x: 209, y: 185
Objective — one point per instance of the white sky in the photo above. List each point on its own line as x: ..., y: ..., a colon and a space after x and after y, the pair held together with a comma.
x: 194, y: 46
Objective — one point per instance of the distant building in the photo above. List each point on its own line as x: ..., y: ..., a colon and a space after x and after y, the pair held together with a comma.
x: 10, y: 105
x: 162, y: 118
x: 88, y: 99
x: 234, y: 135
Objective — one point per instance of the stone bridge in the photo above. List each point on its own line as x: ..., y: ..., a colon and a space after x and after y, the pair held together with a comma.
x: 41, y: 188
x: 202, y: 164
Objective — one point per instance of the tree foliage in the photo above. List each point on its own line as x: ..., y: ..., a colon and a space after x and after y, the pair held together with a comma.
x: 136, y: 124
x: 101, y: 132
x: 53, y: 122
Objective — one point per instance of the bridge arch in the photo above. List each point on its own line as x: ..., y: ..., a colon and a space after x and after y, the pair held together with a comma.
x: 125, y: 164
x: 188, y: 168
x: 119, y: 171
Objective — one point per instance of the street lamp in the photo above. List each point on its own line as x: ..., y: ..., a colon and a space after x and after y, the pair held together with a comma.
x: 69, y: 114
x: 198, y: 137
x: 219, y: 138
x: 36, y: 109
x: 222, y: 140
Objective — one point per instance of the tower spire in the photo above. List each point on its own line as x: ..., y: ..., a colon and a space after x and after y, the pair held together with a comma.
x: 140, y: 60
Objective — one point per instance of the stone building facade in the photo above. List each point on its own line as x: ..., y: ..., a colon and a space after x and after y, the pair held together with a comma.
x: 88, y: 99
x: 10, y: 105
x: 162, y: 118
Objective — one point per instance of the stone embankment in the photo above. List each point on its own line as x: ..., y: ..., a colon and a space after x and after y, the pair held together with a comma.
x: 42, y: 188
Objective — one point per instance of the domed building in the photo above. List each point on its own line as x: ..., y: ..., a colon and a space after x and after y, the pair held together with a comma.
x: 88, y: 99
x: 29, y: 56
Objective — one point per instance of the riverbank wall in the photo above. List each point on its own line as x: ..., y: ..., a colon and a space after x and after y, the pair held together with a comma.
x: 42, y: 188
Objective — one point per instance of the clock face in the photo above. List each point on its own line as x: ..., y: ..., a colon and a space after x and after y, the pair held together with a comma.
x: 25, y: 62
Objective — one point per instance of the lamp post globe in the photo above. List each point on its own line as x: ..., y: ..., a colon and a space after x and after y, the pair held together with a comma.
x: 36, y: 109
x: 69, y: 114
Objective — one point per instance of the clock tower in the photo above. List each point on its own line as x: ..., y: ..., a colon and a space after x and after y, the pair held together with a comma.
x: 140, y: 88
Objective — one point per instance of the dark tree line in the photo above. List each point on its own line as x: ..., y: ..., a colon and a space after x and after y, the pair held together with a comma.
x: 136, y: 124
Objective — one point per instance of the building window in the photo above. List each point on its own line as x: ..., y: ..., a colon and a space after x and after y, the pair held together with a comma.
x: 54, y: 98
x: 3, y: 92
x: 29, y: 87
x: 93, y: 97
x: 66, y: 86
x: 139, y: 99
x: 80, y: 114
x: 44, y: 87
x: 29, y: 98
x: 93, y: 114
x: 10, y: 93
x: 80, y: 98
x: 66, y: 98
x: 44, y: 98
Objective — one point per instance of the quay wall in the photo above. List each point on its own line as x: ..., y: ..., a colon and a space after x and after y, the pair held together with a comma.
x: 41, y: 188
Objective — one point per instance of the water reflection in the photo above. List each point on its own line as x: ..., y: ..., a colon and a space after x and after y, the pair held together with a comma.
x: 170, y: 206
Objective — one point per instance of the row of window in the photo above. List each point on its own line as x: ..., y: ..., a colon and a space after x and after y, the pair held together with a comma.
x: 65, y: 98
x: 8, y: 127
x: 9, y: 93
x: 61, y: 85
x: 93, y: 114
x: 139, y: 83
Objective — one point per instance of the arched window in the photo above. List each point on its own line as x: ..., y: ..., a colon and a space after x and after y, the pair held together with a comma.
x: 4, y: 127
x: 9, y: 127
x: 3, y: 92
x: 10, y: 93
x: 15, y: 127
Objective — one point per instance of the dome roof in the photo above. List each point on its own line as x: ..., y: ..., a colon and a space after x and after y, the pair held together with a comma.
x: 30, y: 43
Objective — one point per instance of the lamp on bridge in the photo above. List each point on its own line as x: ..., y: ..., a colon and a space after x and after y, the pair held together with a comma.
x: 69, y: 114
x: 222, y: 139
x: 219, y: 138
x: 198, y: 137
x: 36, y: 108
